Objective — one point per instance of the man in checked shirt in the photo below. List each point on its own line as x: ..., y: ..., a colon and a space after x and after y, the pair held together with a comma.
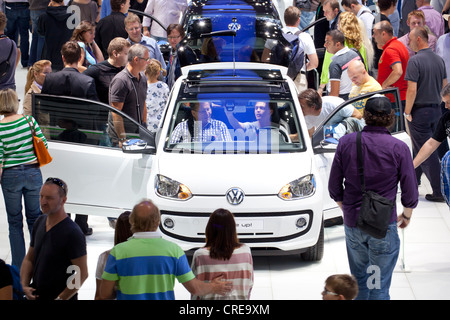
x: 200, y: 128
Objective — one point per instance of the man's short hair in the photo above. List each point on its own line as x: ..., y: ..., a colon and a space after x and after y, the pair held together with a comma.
x: 421, y: 32
x: 131, y: 18
x: 118, y: 44
x: 385, y: 26
x: 386, y: 4
x: 418, y: 14
x: 336, y: 36
x: 63, y: 189
x: 144, y: 217
x: 71, y: 52
x: 291, y: 15
x: 136, y: 50
x: 312, y: 98
x: 334, y: 4
x: 348, y: 3
x: 116, y: 4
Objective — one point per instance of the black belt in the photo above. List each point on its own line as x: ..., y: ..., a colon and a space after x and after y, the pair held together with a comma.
x: 24, y: 166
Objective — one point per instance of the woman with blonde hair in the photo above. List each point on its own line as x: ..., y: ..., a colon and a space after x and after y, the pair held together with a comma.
x: 35, y: 80
x: 157, y: 94
x: 20, y: 173
x: 355, y: 37
x: 91, y: 54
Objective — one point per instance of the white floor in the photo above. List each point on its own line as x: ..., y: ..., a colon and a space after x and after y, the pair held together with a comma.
x: 426, y: 257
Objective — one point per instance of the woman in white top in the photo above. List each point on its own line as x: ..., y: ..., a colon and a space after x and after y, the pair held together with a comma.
x: 157, y: 94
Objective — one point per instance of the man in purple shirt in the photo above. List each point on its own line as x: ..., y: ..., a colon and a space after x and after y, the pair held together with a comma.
x: 433, y: 19
x: 387, y: 162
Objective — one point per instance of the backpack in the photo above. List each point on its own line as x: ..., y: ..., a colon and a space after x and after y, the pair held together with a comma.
x: 294, y: 59
x: 303, y: 4
x: 5, y: 65
x: 17, y: 286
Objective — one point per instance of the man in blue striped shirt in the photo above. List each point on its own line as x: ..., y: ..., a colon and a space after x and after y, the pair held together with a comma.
x: 201, y: 128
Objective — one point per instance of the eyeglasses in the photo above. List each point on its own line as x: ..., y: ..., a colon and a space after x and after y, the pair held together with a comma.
x: 146, y: 59
x: 59, y: 183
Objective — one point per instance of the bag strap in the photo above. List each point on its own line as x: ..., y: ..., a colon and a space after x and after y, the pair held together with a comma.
x: 33, y: 131
x: 360, y: 161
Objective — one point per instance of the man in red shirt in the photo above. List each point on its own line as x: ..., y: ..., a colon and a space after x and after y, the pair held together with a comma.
x: 393, y: 61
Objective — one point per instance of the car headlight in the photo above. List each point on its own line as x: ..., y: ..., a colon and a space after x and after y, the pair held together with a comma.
x: 168, y: 188
x: 297, y: 189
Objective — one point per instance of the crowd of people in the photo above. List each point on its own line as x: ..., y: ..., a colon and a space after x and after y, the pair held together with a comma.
x: 112, y: 55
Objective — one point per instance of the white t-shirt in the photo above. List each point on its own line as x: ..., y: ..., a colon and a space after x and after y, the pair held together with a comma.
x: 305, y: 38
x: 329, y: 104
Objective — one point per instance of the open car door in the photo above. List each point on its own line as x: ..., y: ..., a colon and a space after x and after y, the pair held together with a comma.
x: 326, y: 138
x: 103, y: 178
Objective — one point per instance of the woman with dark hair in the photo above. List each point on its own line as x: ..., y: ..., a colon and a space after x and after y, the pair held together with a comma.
x: 387, y: 163
x: 223, y: 255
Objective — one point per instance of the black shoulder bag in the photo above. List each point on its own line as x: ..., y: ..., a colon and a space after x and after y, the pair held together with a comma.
x: 375, y: 212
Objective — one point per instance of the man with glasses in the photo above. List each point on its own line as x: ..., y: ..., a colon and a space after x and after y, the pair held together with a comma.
x: 128, y: 91
x: 133, y: 27
x: 55, y: 266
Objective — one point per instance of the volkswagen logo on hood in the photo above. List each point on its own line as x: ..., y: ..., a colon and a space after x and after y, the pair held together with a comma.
x: 235, y: 196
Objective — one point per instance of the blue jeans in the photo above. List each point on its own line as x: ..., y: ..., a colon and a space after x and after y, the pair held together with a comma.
x: 18, y: 22
x: 37, y: 41
x: 372, y: 261
x: 17, y: 182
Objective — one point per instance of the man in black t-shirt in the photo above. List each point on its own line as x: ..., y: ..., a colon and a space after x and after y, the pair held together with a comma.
x: 105, y: 71
x: 55, y: 266
x: 441, y: 133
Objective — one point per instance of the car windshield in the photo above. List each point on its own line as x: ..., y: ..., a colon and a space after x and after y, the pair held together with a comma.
x: 208, y: 37
x: 221, y: 123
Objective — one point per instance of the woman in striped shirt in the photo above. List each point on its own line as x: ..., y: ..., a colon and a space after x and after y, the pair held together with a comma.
x: 20, y: 173
x: 223, y: 255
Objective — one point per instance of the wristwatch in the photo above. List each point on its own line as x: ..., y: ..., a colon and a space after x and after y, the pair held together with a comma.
x: 406, y: 115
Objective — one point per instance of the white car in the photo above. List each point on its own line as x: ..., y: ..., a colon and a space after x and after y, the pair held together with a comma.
x: 266, y: 175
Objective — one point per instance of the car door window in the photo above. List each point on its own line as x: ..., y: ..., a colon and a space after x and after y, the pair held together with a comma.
x: 81, y: 121
x: 327, y: 135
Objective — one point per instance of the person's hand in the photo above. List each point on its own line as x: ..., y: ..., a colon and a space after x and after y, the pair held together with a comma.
x: 403, y: 221
x: 220, y: 286
x: 408, y: 117
x: 29, y: 293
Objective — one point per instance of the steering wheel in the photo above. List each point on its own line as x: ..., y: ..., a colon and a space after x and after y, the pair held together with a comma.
x: 281, y: 131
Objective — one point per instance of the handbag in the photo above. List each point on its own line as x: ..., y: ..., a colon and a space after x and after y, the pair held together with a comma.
x: 40, y: 149
x: 375, y: 211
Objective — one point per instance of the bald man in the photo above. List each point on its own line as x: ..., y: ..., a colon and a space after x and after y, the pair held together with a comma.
x: 145, y: 266
x: 362, y: 83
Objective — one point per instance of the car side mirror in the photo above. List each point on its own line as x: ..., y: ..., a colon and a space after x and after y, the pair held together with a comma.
x: 138, y: 146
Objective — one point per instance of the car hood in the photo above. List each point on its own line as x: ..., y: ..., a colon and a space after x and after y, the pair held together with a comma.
x: 255, y: 174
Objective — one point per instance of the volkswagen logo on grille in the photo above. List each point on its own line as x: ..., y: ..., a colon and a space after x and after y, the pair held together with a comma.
x: 234, y: 26
x: 235, y: 196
